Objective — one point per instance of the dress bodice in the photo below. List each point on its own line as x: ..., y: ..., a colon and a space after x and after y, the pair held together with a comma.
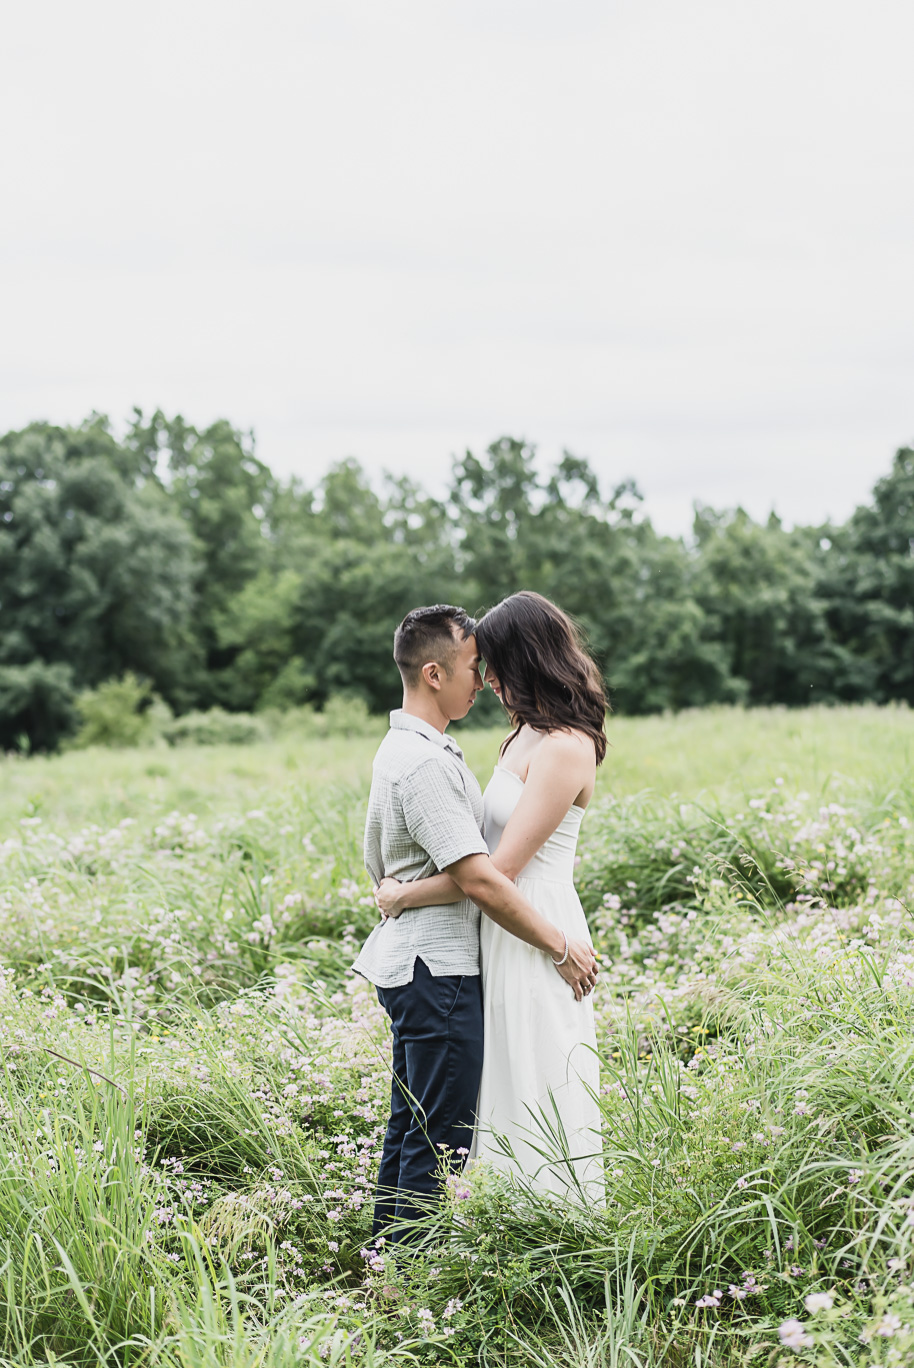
x: 555, y: 858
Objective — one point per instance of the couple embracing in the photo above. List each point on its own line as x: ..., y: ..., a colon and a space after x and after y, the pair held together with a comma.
x: 492, y: 1016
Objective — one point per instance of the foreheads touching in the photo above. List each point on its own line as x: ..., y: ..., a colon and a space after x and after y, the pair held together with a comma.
x: 428, y: 635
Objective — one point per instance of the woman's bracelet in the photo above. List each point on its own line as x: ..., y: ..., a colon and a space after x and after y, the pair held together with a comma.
x: 558, y: 963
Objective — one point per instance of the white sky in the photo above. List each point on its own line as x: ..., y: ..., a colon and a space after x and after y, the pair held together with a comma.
x: 674, y: 236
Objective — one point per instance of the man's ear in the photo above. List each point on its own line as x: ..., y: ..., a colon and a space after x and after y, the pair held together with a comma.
x: 431, y: 673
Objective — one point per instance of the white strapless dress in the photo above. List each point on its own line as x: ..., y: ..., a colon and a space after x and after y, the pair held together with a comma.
x: 538, y: 1112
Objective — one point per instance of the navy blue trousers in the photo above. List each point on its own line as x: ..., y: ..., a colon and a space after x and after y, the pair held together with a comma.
x: 437, y: 1062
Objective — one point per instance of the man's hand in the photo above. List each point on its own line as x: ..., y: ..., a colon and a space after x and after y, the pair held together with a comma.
x: 580, y: 968
x: 387, y: 895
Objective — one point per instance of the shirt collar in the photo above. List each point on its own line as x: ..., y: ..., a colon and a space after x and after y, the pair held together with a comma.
x: 403, y: 721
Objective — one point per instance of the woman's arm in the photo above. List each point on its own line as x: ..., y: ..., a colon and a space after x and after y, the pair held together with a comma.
x: 561, y: 769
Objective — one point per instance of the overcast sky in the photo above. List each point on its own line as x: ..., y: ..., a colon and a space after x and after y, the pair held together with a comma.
x: 674, y: 236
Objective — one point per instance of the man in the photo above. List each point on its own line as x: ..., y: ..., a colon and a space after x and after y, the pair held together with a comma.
x: 425, y: 815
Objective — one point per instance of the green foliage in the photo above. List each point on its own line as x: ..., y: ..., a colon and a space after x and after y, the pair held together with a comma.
x: 869, y: 577
x: 289, y: 687
x: 175, y: 554
x: 758, y: 586
x: 96, y: 571
x: 120, y: 712
x: 195, y: 1086
x: 346, y: 717
x: 215, y: 727
x: 37, y: 704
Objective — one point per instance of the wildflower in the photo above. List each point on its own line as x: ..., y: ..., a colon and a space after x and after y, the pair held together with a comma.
x: 792, y: 1335
x: 854, y: 1176
x: 712, y: 1299
x: 741, y: 1183
x: 818, y: 1301
x: 458, y: 1187
x: 333, y: 1246
x: 889, y: 1325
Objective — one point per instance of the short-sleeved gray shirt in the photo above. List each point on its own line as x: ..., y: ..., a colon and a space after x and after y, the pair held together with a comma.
x: 424, y: 812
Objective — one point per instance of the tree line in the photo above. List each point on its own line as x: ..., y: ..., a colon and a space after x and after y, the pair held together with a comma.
x: 176, y: 554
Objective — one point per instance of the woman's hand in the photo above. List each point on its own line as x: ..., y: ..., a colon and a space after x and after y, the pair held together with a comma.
x: 388, y: 896
x: 580, y: 968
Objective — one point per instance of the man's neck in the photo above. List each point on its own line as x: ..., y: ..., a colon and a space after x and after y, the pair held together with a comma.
x: 426, y: 709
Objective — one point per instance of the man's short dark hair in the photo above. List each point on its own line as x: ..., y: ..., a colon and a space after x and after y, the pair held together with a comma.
x: 430, y: 634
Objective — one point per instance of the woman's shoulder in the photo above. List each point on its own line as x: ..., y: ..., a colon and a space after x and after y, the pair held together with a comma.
x: 568, y: 744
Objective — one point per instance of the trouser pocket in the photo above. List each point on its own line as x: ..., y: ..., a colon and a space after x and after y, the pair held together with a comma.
x: 453, y: 993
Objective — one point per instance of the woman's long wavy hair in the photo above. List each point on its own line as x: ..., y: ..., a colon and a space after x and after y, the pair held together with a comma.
x: 548, y: 680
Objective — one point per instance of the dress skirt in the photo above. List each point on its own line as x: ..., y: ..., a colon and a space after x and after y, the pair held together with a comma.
x: 538, y: 1115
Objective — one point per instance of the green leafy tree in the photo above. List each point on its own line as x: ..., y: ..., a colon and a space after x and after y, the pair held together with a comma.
x: 867, y: 576
x: 96, y: 572
x: 225, y: 496
x: 37, y: 705
x: 175, y: 554
x: 758, y: 585
x: 629, y: 590
x: 349, y: 509
x: 493, y: 504
x: 666, y: 656
x: 257, y: 626
x: 350, y: 602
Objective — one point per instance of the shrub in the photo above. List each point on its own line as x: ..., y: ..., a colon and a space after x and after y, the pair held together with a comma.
x: 304, y: 722
x: 344, y: 716
x: 115, y: 714
x: 215, y: 728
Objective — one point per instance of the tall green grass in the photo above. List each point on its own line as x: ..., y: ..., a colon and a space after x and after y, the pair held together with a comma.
x: 195, y: 1086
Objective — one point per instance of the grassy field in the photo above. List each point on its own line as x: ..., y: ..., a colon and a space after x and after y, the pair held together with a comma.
x: 715, y: 751
x: 195, y: 1085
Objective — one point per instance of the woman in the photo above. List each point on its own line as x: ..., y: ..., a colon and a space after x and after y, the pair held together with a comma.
x: 538, y: 1114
